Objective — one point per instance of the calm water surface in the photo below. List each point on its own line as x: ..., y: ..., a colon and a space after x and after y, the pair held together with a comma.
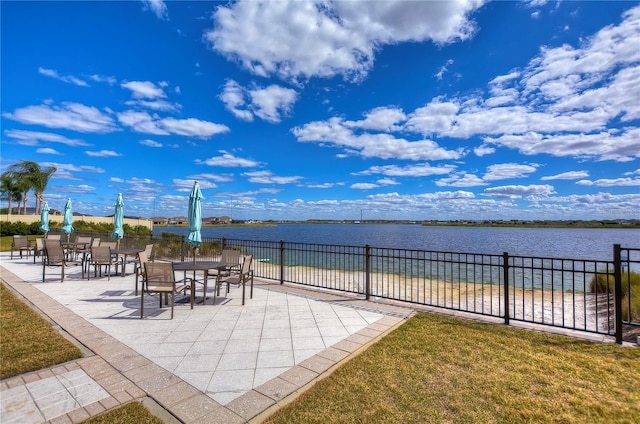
x: 556, y: 243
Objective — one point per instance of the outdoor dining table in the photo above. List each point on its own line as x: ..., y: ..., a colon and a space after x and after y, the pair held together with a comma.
x: 203, y: 266
x: 125, y: 253
x: 72, y: 247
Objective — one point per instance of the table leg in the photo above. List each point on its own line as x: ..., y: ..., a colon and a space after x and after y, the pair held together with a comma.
x: 124, y: 264
x: 204, y: 294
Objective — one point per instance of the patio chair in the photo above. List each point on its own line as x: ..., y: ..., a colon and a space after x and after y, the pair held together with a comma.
x: 160, y: 279
x: 21, y: 244
x: 39, y: 249
x: 101, y: 257
x: 57, y: 237
x: 54, y: 256
x: 231, y: 259
x: 143, y: 257
x: 86, y: 254
x: 80, y: 249
x: 246, y: 275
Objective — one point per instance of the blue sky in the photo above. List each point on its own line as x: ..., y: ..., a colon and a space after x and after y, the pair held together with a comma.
x: 300, y: 110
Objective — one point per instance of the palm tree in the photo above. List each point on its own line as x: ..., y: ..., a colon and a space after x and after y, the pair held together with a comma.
x: 10, y: 190
x: 32, y: 176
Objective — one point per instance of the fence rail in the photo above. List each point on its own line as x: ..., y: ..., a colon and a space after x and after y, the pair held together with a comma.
x: 595, y: 296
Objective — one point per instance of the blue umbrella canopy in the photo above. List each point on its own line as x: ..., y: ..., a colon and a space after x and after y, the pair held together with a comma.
x: 67, y: 223
x: 195, y: 216
x: 118, y: 218
x: 44, y: 218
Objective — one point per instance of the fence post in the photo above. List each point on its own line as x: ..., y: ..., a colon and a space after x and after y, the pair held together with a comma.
x: 505, y: 278
x: 367, y: 272
x: 281, y: 261
x: 224, y: 243
x: 617, y: 291
x: 182, y: 248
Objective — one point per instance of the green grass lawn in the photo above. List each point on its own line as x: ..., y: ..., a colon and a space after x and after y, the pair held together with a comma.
x: 437, y: 369
x: 27, y: 341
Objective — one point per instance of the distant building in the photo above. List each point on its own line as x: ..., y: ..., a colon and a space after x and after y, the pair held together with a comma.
x: 159, y: 220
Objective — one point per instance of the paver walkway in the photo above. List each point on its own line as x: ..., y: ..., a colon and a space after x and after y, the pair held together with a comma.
x: 226, y: 363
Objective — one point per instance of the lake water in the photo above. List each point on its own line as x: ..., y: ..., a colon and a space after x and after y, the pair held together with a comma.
x: 542, y: 242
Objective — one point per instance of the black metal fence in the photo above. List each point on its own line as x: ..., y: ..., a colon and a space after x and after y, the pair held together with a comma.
x: 595, y: 296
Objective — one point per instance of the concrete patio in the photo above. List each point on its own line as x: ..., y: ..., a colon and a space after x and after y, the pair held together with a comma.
x: 224, y: 363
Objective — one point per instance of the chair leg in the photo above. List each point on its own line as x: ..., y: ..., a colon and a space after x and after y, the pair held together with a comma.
x: 173, y: 300
x: 141, y: 302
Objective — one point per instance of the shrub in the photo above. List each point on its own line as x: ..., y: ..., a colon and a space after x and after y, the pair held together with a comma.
x: 604, y: 283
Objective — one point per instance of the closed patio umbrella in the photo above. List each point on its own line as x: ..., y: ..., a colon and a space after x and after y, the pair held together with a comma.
x: 44, y: 219
x: 194, y: 238
x: 67, y: 223
x: 118, y: 218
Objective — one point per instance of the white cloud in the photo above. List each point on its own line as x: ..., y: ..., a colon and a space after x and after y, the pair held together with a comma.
x: 144, y: 89
x: 380, y: 119
x: 228, y: 160
x: 150, y: 143
x: 386, y: 182
x: 323, y: 185
x: 158, y: 7
x: 562, y: 103
x: 193, y: 127
x: 161, y: 105
x: 270, y: 103
x: 483, y: 150
x: 48, y: 151
x: 415, y: 170
x: 33, y: 138
x: 218, y: 178
x: 304, y: 39
x: 518, y: 191
x: 505, y: 171
x: 619, y: 146
x: 267, y: 177
x: 143, y: 122
x: 571, y: 175
x: 187, y: 185
x: 611, y: 182
x: 103, y: 154
x: 337, y: 132
x: 68, y: 171
x: 65, y: 78
x: 103, y: 78
x: 233, y: 97
x: 443, y: 69
x: 363, y: 186
x: 461, y: 180
x: 70, y: 116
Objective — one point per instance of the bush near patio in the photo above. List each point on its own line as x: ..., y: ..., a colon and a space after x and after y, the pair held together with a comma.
x: 604, y: 283
x: 24, y: 229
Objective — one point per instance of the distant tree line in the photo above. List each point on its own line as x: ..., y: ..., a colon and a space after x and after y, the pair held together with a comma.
x: 19, y: 179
